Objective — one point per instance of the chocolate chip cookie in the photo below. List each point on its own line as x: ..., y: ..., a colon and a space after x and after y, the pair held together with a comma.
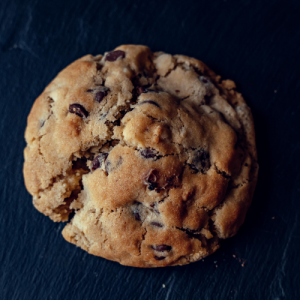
x: 152, y: 154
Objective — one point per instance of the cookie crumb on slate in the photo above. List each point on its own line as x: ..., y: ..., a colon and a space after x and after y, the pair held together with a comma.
x: 150, y: 158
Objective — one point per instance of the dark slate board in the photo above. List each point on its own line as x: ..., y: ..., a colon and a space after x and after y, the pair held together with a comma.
x: 255, y: 43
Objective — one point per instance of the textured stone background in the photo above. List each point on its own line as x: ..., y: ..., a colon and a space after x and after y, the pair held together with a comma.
x: 255, y: 43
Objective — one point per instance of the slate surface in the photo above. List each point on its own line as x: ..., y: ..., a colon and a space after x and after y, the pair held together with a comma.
x: 255, y: 43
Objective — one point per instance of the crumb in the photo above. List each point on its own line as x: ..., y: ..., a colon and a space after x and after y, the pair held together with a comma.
x: 163, y: 286
x: 275, y: 91
x: 234, y: 256
x: 273, y: 218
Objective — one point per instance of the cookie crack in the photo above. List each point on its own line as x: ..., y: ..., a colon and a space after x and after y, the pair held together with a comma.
x: 143, y: 239
x: 206, y: 243
x: 222, y: 173
x: 176, y: 64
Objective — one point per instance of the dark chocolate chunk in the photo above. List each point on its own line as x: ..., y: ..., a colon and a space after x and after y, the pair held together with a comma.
x: 95, y: 164
x: 154, y: 206
x: 204, y: 79
x: 98, y: 160
x: 200, y: 161
x: 100, y: 92
x: 152, y: 186
x: 137, y: 216
x: 156, y: 224
x: 99, y: 96
x: 150, y: 102
x: 114, y: 55
x: 79, y: 110
x: 159, y: 257
x: 136, y: 210
x: 151, y: 179
x: 161, y: 248
x: 148, y: 153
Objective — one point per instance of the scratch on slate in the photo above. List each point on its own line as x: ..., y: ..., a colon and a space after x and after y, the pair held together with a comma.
x: 23, y: 46
x: 82, y: 278
x: 24, y: 35
x: 284, y: 256
x: 42, y: 273
x: 169, y: 285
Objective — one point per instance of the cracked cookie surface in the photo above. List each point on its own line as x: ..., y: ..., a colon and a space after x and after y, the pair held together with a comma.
x: 154, y: 153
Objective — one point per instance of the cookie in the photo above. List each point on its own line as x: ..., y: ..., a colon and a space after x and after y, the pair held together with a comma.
x: 152, y: 154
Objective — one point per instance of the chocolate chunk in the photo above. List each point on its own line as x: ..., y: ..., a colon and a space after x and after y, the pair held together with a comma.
x: 114, y: 55
x: 177, y: 91
x: 156, y: 224
x: 100, y: 92
x: 150, y: 102
x: 204, y: 79
x: 148, y: 153
x: 137, y: 216
x: 79, y: 110
x: 98, y: 160
x: 151, y: 178
x: 159, y: 257
x: 152, y: 186
x: 154, y: 206
x: 200, y: 161
x: 95, y: 164
x: 161, y: 248
x: 99, y: 96
x: 136, y: 210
